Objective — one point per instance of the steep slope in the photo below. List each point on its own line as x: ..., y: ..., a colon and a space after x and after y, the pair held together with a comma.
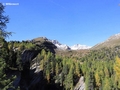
x: 110, y: 42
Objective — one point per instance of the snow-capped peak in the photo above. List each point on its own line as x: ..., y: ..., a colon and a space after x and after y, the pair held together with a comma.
x: 79, y: 46
x: 59, y: 45
x: 55, y: 42
x: 64, y: 46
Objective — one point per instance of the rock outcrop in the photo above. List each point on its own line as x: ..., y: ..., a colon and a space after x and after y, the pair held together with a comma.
x: 27, y: 57
x: 81, y: 84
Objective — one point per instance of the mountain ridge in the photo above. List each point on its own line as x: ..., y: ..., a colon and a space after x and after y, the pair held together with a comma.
x: 63, y: 46
x: 112, y: 41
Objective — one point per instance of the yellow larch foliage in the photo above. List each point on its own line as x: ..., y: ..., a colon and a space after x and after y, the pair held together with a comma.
x: 117, y: 67
x: 97, y: 79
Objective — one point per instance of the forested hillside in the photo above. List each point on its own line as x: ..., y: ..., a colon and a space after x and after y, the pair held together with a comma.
x: 100, y: 68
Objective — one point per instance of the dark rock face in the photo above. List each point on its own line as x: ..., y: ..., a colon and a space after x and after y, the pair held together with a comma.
x: 31, y: 80
x: 25, y: 77
x: 36, y: 81
x: 27, y: 57
x: 50, y: 46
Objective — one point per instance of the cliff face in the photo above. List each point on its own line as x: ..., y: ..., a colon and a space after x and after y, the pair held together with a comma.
x: 31, y: 76
x: 27, y: 74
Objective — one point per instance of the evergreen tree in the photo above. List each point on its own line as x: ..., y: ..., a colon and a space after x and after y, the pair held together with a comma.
x: 69, y: 80
x: 3, y: 21
x: 19, y: 61
x: 87, y: 82
x: 5, y: 83
x: 77, y: 69
x: 97, y: 79
x: 57, y: 69
x: 107, y: 84
x: 48, y: 75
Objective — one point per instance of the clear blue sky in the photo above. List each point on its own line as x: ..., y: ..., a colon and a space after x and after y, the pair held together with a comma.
x: 68, y: 21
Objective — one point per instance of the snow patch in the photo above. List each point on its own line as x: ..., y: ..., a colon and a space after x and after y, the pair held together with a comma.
x: 79, y: 46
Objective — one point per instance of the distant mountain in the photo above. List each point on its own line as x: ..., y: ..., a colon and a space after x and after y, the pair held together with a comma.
x: 110, y: 42
x: 59, y: 45
x: 66, y: 47
x: 62, y: 46
x: 79, y: 46
x: 55, y: 42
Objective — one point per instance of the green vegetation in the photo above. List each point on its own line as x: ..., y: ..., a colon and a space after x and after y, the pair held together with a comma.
x: 5, y: 82
x: 3, y: 21
x: 100, y: 68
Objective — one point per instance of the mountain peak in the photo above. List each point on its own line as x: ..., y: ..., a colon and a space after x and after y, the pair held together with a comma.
x: 59, y: 45
x: 112, y: 41
x: 55, y: 42
x: 116, y: 36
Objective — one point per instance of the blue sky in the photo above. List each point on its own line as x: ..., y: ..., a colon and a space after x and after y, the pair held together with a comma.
x: 70, y: 22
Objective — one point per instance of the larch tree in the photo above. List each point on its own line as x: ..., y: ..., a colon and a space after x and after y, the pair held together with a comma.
x: 57, y: 69
x: 69, y: 79
x: 117, y: 71
x: 107, y: 84
x: 97, y: 79
x: 77, y: 69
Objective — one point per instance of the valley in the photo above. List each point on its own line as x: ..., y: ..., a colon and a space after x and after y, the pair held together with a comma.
x: 38, y: 64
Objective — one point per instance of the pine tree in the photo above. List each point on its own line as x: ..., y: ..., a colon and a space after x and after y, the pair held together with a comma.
x: 5, y: 83
x: 68, y: 83
x: 3, y: 21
